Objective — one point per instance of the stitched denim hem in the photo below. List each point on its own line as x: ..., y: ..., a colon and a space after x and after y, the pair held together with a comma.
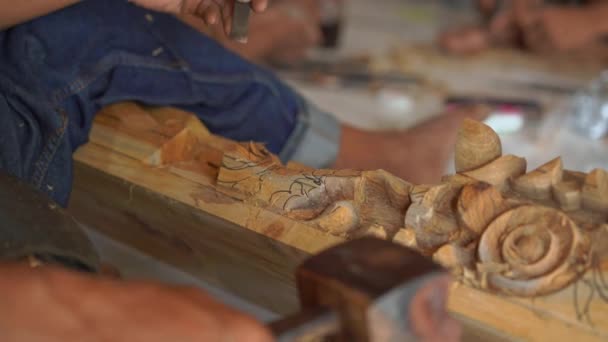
x: 315, y: 141
x: 54, y: 126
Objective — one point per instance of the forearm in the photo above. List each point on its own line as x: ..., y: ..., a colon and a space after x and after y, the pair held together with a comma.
x: 16, y: 12
x: 598, y: 12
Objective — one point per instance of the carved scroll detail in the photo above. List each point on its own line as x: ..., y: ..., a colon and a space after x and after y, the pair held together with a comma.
x: 531, y: 251
x: 505, y: 230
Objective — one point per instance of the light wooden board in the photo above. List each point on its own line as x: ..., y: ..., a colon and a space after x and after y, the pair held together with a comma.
x: 163, y: 209
x: 124, y: 202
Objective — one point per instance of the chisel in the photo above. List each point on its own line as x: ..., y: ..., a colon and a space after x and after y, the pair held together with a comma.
x: 240, y: 21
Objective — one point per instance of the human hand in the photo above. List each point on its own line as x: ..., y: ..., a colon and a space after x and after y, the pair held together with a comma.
x: 548, y: 29
x: 418, y: 155
x: 50, y: 304
x: 498, y: 28
x: 283, y: 34
x: 297, y: 29
x: 210, y: 11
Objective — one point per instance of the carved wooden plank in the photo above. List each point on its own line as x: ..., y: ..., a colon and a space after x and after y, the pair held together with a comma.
x: 517, y: 244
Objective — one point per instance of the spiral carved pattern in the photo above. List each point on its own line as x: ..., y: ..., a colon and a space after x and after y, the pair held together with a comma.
x: 531, y: 251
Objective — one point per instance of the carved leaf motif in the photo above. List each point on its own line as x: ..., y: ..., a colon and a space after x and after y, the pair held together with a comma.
x: 595, y: 191
x: 568, y: 192
x: 539, y: 183
x: 499, y: 171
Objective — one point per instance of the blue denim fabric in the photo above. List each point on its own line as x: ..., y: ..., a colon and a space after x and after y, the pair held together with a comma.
x: 57, y: 71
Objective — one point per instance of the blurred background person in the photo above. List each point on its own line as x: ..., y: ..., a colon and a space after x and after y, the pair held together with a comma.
x: 533, y: 25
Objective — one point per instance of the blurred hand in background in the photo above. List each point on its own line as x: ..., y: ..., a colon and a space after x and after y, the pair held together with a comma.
x: 530, y: 25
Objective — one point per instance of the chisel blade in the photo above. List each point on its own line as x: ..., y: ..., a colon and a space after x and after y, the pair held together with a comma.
x: 240, y: 21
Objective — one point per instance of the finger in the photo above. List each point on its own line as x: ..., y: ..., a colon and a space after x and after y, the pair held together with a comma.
x: 238, y: 326
x: 536, y: 38
x: 259, y: 5
x: 526, y: 12
x: 501, y: 23
x: 211, y: 14
x: 313, y: 36
x: 486, y: 6
x: 465, y: 41
x: 227, y: 12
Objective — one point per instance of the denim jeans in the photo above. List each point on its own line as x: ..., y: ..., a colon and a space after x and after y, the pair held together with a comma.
x: 57, y: 71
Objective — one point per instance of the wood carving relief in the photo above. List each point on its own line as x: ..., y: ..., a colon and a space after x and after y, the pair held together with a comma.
x: 539, y: 237
x: 495, y: 226
x: 343, y: 203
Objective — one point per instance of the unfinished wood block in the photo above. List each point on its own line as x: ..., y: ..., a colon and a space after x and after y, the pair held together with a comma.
x: 499, y: 171
x: 477, y: 145
x: 595, y: 191
x: 538, y: 184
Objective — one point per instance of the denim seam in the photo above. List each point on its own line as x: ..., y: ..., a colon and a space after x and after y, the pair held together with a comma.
x: 119, y: 60
x: 49, y: 151
x: 253, y: 76
x: 298, y: 134
x: 169, y: 47
x: 14, y: 88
